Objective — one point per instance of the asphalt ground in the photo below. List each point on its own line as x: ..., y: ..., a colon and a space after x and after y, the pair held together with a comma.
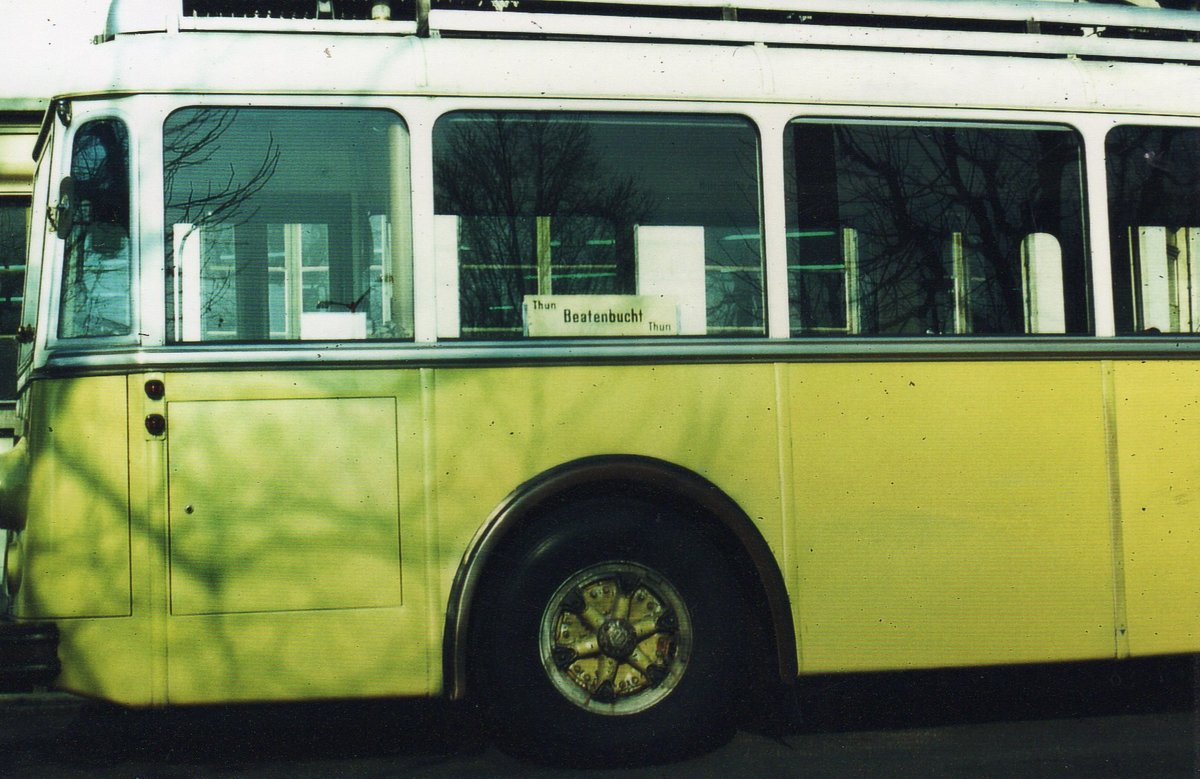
x: 1135, y: 719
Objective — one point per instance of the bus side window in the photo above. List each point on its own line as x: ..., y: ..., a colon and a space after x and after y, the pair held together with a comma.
x: 597, y: 224
x: 934, y: 229
x: 287, y: 224
x: 1154, y: 210
x: 96, y: 293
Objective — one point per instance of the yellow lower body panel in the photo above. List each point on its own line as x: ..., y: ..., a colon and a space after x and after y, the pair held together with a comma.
x: 271, y: 545
x: 1158, y: 459
x: 110, y: 659
x: 283, y: 505
x: 296, y: 555
x: 296, y: 534
x: 77, y: 545
x: 296, y: 655
x: 951, y: 514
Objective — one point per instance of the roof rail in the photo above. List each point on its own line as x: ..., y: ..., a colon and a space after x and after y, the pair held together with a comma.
x: 1030, y: 27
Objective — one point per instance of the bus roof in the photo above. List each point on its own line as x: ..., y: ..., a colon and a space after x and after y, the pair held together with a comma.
x: 603, y: 55
x: 1037, y: 27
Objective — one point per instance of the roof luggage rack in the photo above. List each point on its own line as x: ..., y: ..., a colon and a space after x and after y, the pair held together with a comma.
x: 1029, y: 27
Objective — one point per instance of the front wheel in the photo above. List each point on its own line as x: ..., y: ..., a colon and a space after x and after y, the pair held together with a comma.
x: 612, y: 636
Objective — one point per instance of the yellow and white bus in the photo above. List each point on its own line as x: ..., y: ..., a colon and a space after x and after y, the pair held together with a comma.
x: 602, y: 362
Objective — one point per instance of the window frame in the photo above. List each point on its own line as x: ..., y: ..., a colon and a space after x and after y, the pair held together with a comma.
x: 281, y: 103
x: 1008, y: 120
x: 608, y: 110
x: 1105, y: 228
x: 63, y: 151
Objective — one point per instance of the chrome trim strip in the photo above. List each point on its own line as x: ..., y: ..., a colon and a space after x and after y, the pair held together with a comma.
x: 589, y: 352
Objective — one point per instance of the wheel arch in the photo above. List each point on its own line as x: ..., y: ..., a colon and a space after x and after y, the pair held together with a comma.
x: 656, y: 480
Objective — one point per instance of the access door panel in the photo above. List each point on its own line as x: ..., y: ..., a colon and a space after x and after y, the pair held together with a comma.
x: 283, y: 505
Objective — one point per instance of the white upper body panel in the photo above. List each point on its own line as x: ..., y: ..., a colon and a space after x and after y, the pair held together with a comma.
x: 283, y: 64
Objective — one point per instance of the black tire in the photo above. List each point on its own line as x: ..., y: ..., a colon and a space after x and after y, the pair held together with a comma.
x: 657, y: 610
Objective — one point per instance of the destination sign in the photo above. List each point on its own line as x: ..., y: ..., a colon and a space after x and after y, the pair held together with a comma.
x: 574, y: 316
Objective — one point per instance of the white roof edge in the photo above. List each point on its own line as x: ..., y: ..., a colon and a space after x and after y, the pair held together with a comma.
x: 454, y: 67
x: 151, y: 16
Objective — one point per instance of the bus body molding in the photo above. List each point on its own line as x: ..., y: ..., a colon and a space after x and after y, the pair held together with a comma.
x: 660, y: 481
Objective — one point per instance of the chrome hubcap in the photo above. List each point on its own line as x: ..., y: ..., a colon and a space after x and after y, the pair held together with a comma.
x: 615, y: 638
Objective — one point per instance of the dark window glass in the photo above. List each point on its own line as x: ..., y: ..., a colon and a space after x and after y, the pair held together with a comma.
x: 96, y: 282
x: 910, y: 229
x: 568, y: 224
x: 1154, y: 222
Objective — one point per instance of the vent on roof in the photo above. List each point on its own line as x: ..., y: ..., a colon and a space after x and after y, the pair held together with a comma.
x: 360, y: 10
x: 389, y: 17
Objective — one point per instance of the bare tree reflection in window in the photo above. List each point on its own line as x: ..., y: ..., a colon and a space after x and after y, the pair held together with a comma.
x: 938, y: 217
x: 204, y: 189
x: 96, y: 281
x: 502, y: 173
x: 1153, y: 181
x: 603, y: 203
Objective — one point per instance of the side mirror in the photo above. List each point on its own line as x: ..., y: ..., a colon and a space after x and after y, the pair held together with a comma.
x: 63, y: 214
